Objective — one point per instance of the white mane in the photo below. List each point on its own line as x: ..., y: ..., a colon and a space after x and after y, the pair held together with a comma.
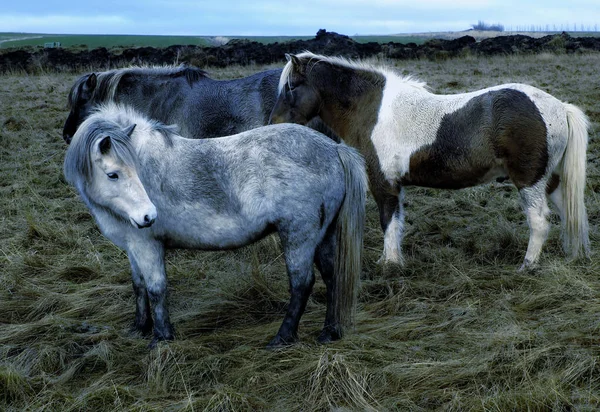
x: 124, y: 115
x: 351, y: 64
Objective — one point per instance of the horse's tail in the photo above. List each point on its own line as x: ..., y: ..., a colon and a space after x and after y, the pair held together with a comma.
x: 575, y: 221
x: 349, y: 234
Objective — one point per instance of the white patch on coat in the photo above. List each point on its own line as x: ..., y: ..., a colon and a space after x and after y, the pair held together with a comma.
x: 410, y: 116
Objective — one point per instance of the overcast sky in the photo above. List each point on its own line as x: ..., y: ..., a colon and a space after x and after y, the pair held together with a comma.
x: 295, y: 17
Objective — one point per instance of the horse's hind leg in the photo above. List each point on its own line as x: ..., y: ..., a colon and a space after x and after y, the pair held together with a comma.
x: 535, y: 206
x: 143, y: 313
x: 391, y: 216
x: 148, y: 256
x: 299, y: 257
x: 325, y: 261
x: 555, y: 193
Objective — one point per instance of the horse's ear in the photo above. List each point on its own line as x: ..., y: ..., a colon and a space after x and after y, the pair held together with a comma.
x: 129, y: 130
x: 296, y: 63
x: 91, y: 81
x: 104, y: 145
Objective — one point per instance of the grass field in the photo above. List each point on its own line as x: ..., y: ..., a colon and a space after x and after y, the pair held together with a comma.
x: 94, y: 41
x: 456, y: 329
x: 8, y: 40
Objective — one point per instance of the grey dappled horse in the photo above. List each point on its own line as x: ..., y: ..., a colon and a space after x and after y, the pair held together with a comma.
x: 200, y: 106
x: 410, y: 136
x: 150, y: 189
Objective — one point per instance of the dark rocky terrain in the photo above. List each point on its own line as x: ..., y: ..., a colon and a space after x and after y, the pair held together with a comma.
x: 244, y: 52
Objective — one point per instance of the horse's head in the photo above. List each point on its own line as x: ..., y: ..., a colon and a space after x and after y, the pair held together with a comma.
x: 80, y: 104
x: 104, y: 171
x: 299, y: 100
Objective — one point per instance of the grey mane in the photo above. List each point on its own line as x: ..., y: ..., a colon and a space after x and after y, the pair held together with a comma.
x: 109, y: 120
x: 78, y: 162
x: 109, y: 81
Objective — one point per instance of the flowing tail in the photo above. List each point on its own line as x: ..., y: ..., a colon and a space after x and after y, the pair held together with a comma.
x: 349, y: 234
x: 575, y: 221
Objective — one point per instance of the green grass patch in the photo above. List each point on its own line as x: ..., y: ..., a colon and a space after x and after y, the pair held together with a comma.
x: 89, y: 41
x: 94, y: 41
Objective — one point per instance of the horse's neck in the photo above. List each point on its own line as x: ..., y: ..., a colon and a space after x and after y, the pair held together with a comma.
x: 353, y: 118
x: 151, y: 146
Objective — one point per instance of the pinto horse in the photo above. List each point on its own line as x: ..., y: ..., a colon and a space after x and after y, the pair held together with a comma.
x: 200, y: 106
x: 150, y: 189
x: 410, y: 136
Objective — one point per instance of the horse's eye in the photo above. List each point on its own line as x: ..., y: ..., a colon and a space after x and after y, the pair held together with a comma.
x: 112, y: 176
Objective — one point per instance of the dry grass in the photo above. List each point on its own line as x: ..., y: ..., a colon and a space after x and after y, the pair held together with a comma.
x: 456, y: 329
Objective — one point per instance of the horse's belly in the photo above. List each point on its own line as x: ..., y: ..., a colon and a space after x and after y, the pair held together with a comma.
x: 216, y: 233
x: 452, y: 176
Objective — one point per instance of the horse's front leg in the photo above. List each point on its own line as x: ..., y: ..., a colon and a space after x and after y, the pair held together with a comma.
x: 143, y: 316
x: 148, y: 256
x: 391, y: 216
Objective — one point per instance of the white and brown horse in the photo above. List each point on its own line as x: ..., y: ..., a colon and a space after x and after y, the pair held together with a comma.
x: 410, y: 136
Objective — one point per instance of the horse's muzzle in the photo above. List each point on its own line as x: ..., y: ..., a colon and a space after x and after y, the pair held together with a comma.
x: 148, y: 221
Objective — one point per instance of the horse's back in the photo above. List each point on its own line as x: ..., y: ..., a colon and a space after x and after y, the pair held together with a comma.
x: 283, y: 146
x: 283, y: 161
x: 216, y: 108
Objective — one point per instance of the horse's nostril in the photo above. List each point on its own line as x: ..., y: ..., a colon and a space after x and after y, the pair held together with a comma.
x: 147, y: 219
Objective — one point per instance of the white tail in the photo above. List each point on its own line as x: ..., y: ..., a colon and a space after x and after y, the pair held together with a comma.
x: 575, y: 221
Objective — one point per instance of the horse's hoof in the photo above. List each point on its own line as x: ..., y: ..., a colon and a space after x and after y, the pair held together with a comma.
x: 528, y: 266
x: 329, y: 335
x: 280, y: 342
x: 391, y: 261
x: 145, y: 329
x: 155, y: 342
x: 157, y: 339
